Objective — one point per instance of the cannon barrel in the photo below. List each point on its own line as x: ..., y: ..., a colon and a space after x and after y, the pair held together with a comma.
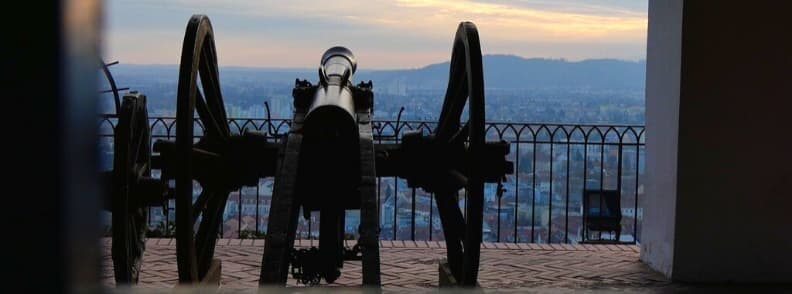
x: 330, y: 154
x: 329, y: 166
x: 331, y: 115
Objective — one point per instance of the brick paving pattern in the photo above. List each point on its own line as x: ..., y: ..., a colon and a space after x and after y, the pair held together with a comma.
x: 413, y: 265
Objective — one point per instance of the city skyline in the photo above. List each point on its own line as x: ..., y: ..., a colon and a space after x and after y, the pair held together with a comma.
x: 394, y: 34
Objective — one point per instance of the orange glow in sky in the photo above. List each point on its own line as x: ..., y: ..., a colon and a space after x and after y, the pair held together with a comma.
x: 383, y: 34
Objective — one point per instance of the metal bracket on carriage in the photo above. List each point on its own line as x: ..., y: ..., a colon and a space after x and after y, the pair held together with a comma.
x: 303, y: 93
x: 437, y: 166
x: 239, y: 161
x: 364, y: 97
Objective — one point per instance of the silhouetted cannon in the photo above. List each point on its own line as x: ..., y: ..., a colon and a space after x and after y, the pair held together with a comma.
x: 329, y: 170
x: 328, y: 166
x: 331, y: 165
x: 327, y: 162
x: 129, y: 187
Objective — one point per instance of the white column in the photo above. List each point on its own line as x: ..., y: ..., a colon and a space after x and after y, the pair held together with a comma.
x: 663, y: 62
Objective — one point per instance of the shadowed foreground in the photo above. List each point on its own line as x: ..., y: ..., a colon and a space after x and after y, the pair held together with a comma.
x: 408, y: 265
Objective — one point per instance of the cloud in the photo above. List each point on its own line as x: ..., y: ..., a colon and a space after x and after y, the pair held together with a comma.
x: 400, y: 33
x: 510, y: 22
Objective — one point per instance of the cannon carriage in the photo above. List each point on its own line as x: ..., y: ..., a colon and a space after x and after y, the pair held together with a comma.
x: 327, y: 162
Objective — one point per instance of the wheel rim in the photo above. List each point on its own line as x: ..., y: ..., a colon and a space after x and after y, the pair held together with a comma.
x: 476, y: 137
x: 198, y: 59
x: 131, y: 162
x: 465, y: 86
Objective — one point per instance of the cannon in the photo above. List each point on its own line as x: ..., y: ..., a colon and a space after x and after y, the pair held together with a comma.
x: 328, y: 162
x: 129, y: 187
x: 330, y: 145
x: 329, y: 166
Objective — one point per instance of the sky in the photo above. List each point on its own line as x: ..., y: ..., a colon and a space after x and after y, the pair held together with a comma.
x: 382, y: 34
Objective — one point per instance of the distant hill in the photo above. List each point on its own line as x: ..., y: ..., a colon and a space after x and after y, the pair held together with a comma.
x: 500, y: 72
x: 514, y: 72
x: 595, y: 90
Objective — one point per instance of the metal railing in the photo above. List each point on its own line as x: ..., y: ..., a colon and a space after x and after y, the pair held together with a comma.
x: 541, y: 202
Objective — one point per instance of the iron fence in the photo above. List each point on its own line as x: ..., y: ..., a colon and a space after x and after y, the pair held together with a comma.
x: 540, y: 203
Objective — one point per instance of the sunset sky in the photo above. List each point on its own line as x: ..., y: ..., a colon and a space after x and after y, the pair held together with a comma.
x: 382, y: 34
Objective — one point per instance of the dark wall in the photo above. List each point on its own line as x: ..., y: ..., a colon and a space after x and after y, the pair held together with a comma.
x: 734, y: 180
x: 50, y: 216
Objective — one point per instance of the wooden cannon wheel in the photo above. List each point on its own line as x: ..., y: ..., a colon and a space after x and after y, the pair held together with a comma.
x: 465, y: 86
x: 131, y: 164
x: 198, y: 59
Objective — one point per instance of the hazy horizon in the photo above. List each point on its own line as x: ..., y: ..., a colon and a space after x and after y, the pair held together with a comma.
x: 400, y: 34
x: 309, y: 68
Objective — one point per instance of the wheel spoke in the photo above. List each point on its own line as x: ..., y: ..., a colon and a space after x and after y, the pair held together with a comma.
x: 453, y: 229
x: 213, y: 130
x: 200, y: 204
x: 211, y: 87
x: 454, y: 102
x: 206, y: 238
x: 460, y: 136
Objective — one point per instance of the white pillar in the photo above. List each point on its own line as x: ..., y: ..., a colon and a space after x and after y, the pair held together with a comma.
x: 663, y: 57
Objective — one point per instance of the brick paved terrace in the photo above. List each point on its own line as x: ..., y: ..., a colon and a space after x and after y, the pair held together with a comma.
x: 408, y: 265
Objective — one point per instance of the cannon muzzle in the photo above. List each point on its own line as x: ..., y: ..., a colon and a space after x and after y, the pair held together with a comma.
x: 338, y: 62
